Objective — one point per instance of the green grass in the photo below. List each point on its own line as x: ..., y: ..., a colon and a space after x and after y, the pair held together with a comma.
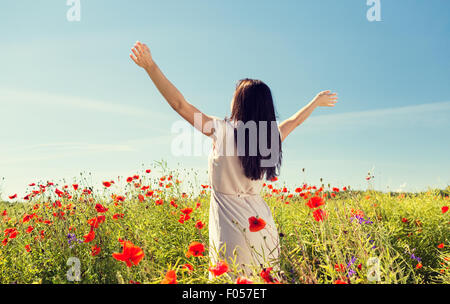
x: 310, y: 249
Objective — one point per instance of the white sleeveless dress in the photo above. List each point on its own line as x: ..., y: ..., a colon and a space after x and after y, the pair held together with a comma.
x: 234, y: 199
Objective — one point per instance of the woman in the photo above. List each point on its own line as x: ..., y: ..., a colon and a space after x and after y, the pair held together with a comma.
x: 245, y: 151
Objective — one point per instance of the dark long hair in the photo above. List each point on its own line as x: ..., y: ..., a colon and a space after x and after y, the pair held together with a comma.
x: 253, y: 102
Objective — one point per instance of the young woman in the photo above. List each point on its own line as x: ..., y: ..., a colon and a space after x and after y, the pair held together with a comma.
x: 241, y: 227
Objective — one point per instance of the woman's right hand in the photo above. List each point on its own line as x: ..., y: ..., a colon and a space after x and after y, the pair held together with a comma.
x: 325, y: 99
x: 142, y: 56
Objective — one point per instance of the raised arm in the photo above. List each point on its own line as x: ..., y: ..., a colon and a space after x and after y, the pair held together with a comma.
x: 323, y: 99
x: 143, y: 58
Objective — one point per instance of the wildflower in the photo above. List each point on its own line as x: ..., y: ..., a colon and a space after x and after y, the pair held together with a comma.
x: 315, y: 202
x: 340, y: 282
x: 90, y: 236
x: 195, y: 249
x: 28, y: 217
x: 130, y: 254
x: 267, y: 277
x: 199, y: 225
x: 29, y: 229
x: 100, y: 208
x: 256, y: 224
x: 219, y: 269
x: 186, y: 211
x: 129, y: 179
x: 444, y: 209
x: 419, y: 265
x: 319, y: 215
x: 13, y: 196
x: 95, y: 250
x: 72, y: 239
x: 117, y: 216
x: 440, y: 246
x: 27, y: 248
x: 188, y: 267
x: 148, y: 171
x: 170, y: 278
x: 119, y: 198
x: 241, y: 280
x: 107, y: 184
x: 339, y: 267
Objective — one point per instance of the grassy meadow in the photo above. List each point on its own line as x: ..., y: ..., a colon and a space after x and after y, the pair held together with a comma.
x: 139, y: 229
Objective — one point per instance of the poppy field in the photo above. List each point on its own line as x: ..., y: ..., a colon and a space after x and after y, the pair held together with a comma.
x: 152, y: 227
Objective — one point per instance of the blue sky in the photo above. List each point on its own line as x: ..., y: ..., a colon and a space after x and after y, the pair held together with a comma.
x: 72, y: 101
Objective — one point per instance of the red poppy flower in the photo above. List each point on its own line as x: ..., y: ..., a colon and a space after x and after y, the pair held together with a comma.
x: 404, y: 220
x: 186, y: 210
x: 5, y: 241
x: 141, y: 198
x: 219, y: 269
x: 170, y: 278
x: 199, y: 225
x: 419, y: 265
x: 29, y: 229
x: 130, y: 254
x: 188, y: 267
x: 335, y: 189
x: 107, y: 184
x: 148, y: 171
x: 12, y: 196
x: 441, y: 245
x: 129, y: 179
x: 340, y: 282
x: 444, y: 209
x: 195, y: 249
x: 315, y: 202
x: 339, y: 267
x: 256, y: 224
x: 319, y: 215
x: 90, y: 236
x: 117, y: 215
x: 75, y: 186
x: 241, y: 280
x: 95, y: 250
x: 100, y: 208
x: 119, y: 198
x: 267, y: 277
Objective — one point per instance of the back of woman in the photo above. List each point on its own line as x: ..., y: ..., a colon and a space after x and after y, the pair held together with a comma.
x: 246, y: 149
x: 235, y: 198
